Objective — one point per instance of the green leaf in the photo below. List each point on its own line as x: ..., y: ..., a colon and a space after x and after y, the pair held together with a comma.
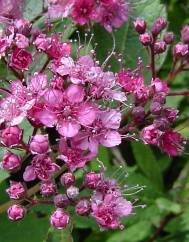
x: 148, y: 163
x: 126, y: 38
x: 63, y: 235
x: 32, y: 8
x: 167, y: 205
x: 28, y: 130
x: 30, y: 229
x: 135, y: 233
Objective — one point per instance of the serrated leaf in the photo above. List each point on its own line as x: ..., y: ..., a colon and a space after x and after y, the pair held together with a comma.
x: 148, y: 163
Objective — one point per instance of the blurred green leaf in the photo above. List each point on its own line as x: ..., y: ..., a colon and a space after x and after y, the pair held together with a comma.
x: 30, y: 229
x: 148, y: 163
x: 135, y: 233
x: 63, y: 235
x: 167, y: 205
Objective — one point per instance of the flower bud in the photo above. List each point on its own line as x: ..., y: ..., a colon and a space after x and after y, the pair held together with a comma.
x: 160, y: 47
x: 83, y: 207
x: 145, y: 39
x: 150, y: 135
x: 61, y: 201
x: 23, y: 26
x: 170, y: 114
x: 16, y: 190
x: 140, y: 26
x: 39, y: 144
x: 138, y: 112
x: 155, y: 108
x: 48, y: 188
x: 11, y: 136
x: 20, y: 59
x: 11, y: 162
x: 67, y: 179
x: 158, y: 26
x: 59, y: 219
x: 72, y: 192
x: 16, y: 212
x: 91, y: 180
x: 169, y: 37
x: 160, y: 98
x: 185, y: 34
x: 161, y: 123
x: 180, y: 50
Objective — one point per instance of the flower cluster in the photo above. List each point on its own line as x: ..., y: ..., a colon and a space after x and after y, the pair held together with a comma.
x: 109, y: 13
x: 75, y: 105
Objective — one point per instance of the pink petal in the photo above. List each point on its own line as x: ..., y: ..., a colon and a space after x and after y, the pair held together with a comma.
x: 29, y: 174
x: 47, y: 118
x: 68, y: 128
x: 86, y: 114
x: 111, y: 139
x: 75, y: 93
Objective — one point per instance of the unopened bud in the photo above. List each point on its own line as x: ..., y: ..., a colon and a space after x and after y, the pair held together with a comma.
x: 160, y: 47
x: 159, y: 24
x: 67, y: 179
x: 72, y: 192
x: 185, y: 34
x: 61, y: 201
x: 169, y: 37
x: 59, y: 219
x: 16, y: 212
x: 39, y: 144
x: 92, y: 179
x: 145, y: 39
x: 11, y: 162
x: 11, y: 136
x: 83, y: 207
x: 140, y: 26
x: 180, y: 50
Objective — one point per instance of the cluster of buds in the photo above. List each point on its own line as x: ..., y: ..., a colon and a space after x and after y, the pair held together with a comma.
x: 82, y: 104
x: 152, y: 38
x: 109, y: 13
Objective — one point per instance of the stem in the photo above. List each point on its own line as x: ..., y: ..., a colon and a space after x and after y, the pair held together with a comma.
x: 185, y: 93
x: 153, y: 69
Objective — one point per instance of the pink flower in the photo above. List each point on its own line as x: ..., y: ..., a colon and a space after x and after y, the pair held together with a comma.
x: 73, y: 157
x: 11, y: 136
x: 42, y: 168
x: 11, y: 162
x: 11, y: 9
x: 59, y: 8
x: 83, y: 207
x: 21, y: 41
x: 20, y: 59
x: 16, y: 212
x: 171, y: 142
x: 103, y: 132
x: 16, y: 190
x: 108, y: 209
x: 159, y: 86
x: 150, y: 135
x: 111, y: 15
x: 59, y: 219
x: 82, y: 11
x: 48, y: 188
x: 39, y: 144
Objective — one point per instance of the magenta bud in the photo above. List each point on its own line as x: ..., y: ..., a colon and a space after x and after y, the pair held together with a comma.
x: 160, y: 46
x: 161, y: 123
x: 11, y: 136
x: 170, y: 114
x: 160, y: 98
x: 150, y: 135
x: 169, y: 37
x: 180, y: 50
x: 140, y: 26
x: 72, y: 192
x: 155, y: 108
x: 185, y: 34
x: 59, y: 219
x: 61, y: 201
x: 67, y: 179
x: 23, y: 26
x: 48, y: 188
x: 92, y: 179
x: 138, y: 112
x: 39, y: 144
x: 11, y: 162
x: 83, y: 207
x: 16, y: 212
x: 16, y: 190
x: 158, y: 26
x: 145, y: 39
